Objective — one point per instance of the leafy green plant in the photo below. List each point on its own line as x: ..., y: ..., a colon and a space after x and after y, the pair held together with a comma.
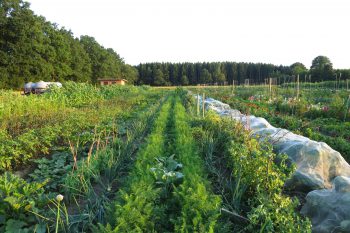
x: 21, y: 204
x: 166, y: 171
x: 53, y: 171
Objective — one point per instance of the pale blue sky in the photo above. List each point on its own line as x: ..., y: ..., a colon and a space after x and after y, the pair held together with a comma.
x: 271, y: 31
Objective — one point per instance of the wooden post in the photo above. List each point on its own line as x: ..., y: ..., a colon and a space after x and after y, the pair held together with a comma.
x: 270, y: 87
x: 347, y: 108
x: 197, y: 104
x: 233, y: 85
x: 298, y: 87
x: 203, y: 104
x: 335, y: 82
x: 310, y: 81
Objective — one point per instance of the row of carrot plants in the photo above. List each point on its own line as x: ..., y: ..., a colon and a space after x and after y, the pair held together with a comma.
x: 200, y: 207
x: 167, y: 191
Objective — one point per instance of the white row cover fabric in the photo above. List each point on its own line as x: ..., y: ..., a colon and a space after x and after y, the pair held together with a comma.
x: 318, y: 168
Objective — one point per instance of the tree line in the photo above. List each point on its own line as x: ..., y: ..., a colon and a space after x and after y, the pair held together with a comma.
x: 32, y: 49
x: 166, y: 74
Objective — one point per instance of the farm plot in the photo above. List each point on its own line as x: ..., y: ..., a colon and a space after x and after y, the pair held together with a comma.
x: 160, y: 168
x: 199, y: 175
x: 79, y: 127
x: 321, y: 115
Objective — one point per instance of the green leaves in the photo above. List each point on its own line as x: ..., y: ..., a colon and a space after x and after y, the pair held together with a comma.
x: 18, y: 201
x: 199, y: 206
x: 53, y: 170
x: 136, y: 209
x: 250, y: 177
x: 166, y: 172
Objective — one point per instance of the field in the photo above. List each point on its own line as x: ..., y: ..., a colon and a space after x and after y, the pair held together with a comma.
x: 321, y: 112
x: 141, y: 159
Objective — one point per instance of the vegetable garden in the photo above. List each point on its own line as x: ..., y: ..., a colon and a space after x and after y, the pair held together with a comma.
x: 136, y: 159
x: 320, y: 114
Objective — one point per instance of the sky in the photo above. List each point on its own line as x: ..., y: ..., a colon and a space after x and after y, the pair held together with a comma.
x: 268, y: 31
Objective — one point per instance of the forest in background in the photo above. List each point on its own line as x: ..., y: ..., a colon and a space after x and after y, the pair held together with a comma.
x: 165, y: 74
x: 33, y: 49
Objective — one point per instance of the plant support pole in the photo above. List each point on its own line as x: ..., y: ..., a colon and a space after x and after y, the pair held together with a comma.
x: 203, y: 104
x: 233, y: 85
x: 270, y: 87
x: 298, y: 87
x: 197, y: 104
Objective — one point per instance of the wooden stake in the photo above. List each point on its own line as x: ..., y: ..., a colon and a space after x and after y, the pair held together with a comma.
x: 335, y: 84
x: 270, y: 88
x: 233, y: 85
x: 197, y: 104
x: 347, y: 84
x: 310, y: 81
x: 203, y: 104
x: 298, y: 87
x: 339, y: 80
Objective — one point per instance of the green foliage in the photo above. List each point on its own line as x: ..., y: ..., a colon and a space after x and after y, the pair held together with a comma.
x: 298, y: 68
x: 32, y: 126
x: 33, y: 49
x: 166, y: 172
x: 135, y: 208
x: 253, y: 178
x: 276, y: 213
x: 199, y: 206
x: 319, y: 114
x: 321, y: 68
x: 20, y: 203
x: 52, y: 171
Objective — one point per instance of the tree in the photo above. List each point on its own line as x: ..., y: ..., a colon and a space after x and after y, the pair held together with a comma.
x: 205, y: 77
x: 158, y: 78
x: 322, y: 69
x: 22, y: 44
x: 130, y: 73
x: 184, y: 80
x: 298, y: 68
x: 80, y: 62
x: 105, y: 62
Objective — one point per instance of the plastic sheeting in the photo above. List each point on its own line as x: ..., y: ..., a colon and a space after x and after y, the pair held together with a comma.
x: 319, y: 168
x: 329, y: 209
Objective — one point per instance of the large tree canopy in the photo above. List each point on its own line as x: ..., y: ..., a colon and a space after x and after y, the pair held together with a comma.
x: 322, y: 69
x: 298, y: 68
x: 33, y: 49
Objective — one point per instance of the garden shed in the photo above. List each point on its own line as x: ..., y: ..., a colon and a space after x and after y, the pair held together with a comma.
x: 112, y: 81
